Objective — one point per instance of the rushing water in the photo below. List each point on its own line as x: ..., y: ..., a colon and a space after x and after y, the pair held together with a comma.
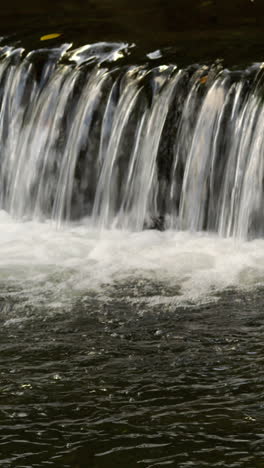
x: 132, y: 265
x: 130, y: 145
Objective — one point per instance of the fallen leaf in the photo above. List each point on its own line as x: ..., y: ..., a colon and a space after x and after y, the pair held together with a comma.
x: 204, y: 79
x: 47, y: 37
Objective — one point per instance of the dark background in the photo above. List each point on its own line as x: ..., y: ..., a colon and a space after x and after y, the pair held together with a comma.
x: 190, y: 30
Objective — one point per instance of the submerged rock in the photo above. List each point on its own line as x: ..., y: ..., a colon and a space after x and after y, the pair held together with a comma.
x: 155, y: 222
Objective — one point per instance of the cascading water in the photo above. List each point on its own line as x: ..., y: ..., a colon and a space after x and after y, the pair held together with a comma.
x: 131, y: 146
x: 131, y: 261
x: 113, y: 153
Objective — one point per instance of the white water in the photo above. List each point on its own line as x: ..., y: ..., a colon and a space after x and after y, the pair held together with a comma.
x: 53, y: 268
x: 118, y: 148
x: 125, y: 145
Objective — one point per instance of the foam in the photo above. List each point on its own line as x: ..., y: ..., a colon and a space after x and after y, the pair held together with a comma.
x: 56, y: 265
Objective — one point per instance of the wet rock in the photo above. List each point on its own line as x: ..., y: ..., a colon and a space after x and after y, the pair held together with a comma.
x: 155, y: 222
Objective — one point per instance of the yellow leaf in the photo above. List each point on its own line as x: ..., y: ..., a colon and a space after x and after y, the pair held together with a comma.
x: 49, y: 36
x: 204, y: 79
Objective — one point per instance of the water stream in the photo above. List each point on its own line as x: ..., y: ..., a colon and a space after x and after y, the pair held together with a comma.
x: 132, y: 265
x: 129, y: 144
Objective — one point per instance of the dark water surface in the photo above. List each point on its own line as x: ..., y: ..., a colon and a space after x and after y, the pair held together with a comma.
x: 112, y: 384
x: 186, y: 30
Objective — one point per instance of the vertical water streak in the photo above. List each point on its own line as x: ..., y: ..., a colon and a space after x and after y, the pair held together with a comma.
x: 79, y: 131
x: 13, y: 76
x: 194, y: 196
x: 250, y: 213
x: 106, y: 192
x: 142, y: 188
x: 35, y: 145
x: 240, y: 148
x: 25, y: 131
x: 182, y: 145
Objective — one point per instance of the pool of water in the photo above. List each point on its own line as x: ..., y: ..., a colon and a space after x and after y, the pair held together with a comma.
x: 129, y: 349
x: 114, y: 383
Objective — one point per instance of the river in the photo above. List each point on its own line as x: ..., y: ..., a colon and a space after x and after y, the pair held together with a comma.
x: 131, y: 235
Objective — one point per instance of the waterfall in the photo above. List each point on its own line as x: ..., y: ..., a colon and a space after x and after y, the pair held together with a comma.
x: 131, y: 146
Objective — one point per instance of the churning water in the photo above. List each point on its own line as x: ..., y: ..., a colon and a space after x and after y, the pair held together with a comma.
x: 56, y: 267
x: 132, y: 264
x: 95, y: 157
